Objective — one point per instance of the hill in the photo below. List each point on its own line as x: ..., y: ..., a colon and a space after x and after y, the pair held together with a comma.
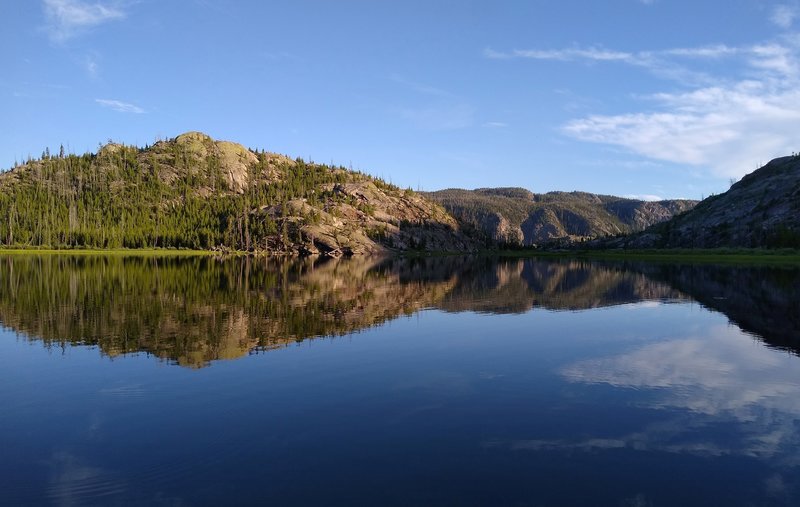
x: 519, y: 217
x: 762, y: 210
x: 195, y: 192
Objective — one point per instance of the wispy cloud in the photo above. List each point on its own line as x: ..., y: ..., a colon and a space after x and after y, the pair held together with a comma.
x: 713, y: 51
x: 92, y: 67
x: 495, y: 124
x: 119, y: 106
x: 645, y: 197
x: 728, y: 122
x: 431, y: 107
x: 592, y: 53
x: 654, y: 59
x: 784, y: 15
x: 67, y: 18
x: 440, y: 117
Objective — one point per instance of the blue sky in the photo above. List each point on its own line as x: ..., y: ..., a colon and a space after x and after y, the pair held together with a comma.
x: 657, y: 98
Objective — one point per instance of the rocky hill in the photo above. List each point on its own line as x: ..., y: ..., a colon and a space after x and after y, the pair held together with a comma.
x: 761, y: 210
x: 519, y: 217
x: 195, y: 192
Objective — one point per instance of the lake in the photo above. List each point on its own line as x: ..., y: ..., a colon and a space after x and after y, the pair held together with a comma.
x: 436, y: 381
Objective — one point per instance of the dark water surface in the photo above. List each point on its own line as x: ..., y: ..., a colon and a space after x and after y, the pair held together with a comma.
x: 448, y: 381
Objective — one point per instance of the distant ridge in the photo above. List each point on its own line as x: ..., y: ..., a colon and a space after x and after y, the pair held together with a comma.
x: 516, y: 216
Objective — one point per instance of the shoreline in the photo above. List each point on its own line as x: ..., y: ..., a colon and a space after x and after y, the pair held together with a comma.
x: 141, y: 252
x: 693, y: 256
x: 715, y: 255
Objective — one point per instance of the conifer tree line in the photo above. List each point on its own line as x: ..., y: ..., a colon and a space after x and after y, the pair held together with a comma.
x: 156, y: 197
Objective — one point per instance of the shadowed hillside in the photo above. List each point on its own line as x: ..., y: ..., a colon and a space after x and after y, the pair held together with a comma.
x: 761, y: 210
x: 517, y: 216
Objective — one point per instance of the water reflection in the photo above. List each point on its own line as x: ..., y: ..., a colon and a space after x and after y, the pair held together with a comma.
x: 764, y: 301
x: 640, y: 402
x: 515, y: 286
x: 194, y: 310
x: 707, y: 379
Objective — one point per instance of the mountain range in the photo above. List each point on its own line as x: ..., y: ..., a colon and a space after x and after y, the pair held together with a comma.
x: 194, y: 192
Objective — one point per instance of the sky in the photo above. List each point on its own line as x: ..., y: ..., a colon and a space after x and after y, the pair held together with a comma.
x: 639, y: 98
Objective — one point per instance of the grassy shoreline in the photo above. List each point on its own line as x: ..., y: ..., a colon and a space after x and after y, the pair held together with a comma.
x: 714, y: 256
x: 143, y: 252
x: 693, y: 256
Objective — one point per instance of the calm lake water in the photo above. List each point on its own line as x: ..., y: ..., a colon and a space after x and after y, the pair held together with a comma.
x: 447, y: 381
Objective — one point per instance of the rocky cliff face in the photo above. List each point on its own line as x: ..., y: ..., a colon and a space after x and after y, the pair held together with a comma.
x: 519, y: 217
x: 761, y: 210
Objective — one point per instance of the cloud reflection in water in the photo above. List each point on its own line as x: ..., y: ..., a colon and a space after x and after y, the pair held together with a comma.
x: 721, y: 377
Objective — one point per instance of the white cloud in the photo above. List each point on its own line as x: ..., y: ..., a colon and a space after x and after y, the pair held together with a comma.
x: 122, y: 107
x: 729, y: 123
x: 666, y: 63
x: 715, y: 51
x: 495, y: 124
x: 784, y: 15
x: 644, y: 197
x: 778, y: 59
x: 600, y: 54
x: 67, y: 18
x: 729, y: 129
x: 92, y: 68
x: 597, y: 54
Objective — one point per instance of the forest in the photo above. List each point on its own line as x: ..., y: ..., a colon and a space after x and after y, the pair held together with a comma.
x: 174, y: 194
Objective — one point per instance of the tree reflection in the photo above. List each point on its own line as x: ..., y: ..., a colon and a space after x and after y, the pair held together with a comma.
x: 193, y: 310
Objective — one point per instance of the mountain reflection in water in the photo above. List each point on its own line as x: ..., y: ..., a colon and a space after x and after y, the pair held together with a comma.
x: 194, y: 310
